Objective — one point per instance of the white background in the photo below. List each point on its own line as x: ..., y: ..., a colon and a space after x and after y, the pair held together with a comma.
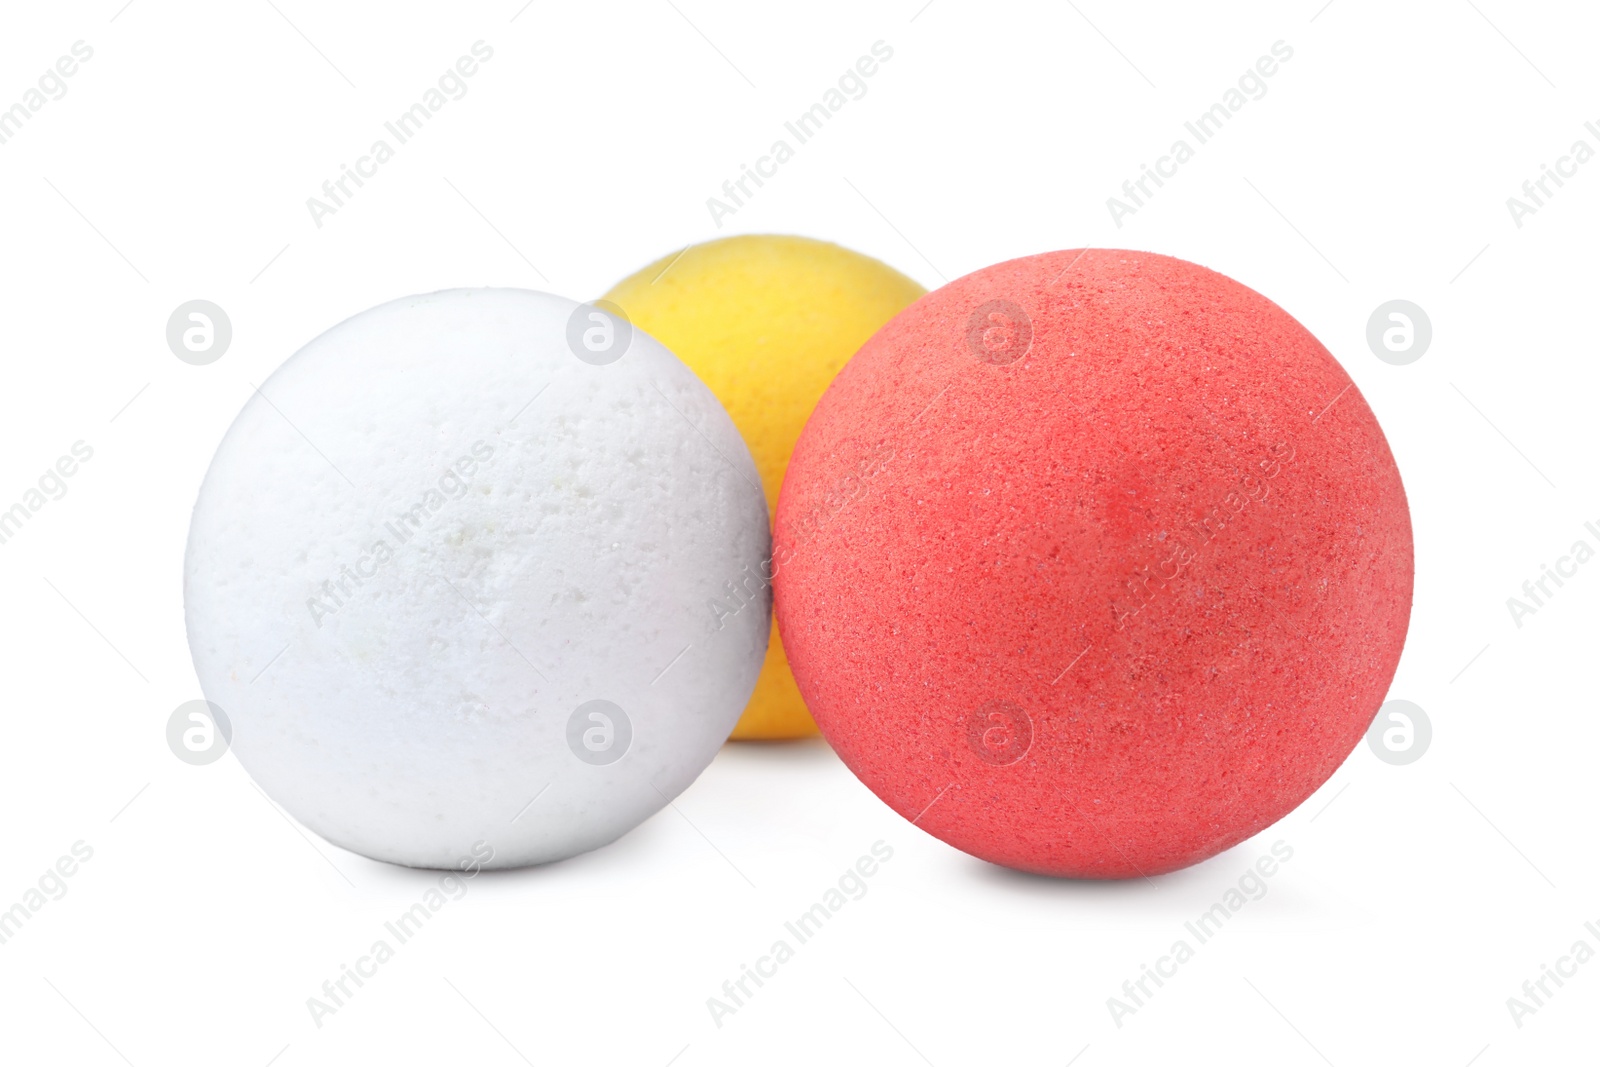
x: 1377, y: 166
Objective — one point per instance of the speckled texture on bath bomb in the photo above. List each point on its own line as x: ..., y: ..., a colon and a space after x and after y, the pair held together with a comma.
x: 766, y: 322
x: 1093, y: 563
x: 431, y: 538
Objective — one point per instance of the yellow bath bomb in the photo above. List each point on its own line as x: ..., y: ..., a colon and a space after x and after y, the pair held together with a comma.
x: 766, y: 322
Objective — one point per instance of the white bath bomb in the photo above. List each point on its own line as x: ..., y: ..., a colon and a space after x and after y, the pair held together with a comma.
x: 477, y: 571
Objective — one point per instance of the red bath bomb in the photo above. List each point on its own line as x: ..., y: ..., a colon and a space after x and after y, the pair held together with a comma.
x: 1093, y: 563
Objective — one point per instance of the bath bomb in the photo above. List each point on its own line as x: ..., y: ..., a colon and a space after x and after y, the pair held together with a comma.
x: 450, y: 576
x: 766, y: 322
x: 1093, y: 563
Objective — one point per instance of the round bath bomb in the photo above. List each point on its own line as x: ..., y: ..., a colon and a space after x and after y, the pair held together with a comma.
x: 766, y: 322
x: 448, y: 577
x: 1093, y: 564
